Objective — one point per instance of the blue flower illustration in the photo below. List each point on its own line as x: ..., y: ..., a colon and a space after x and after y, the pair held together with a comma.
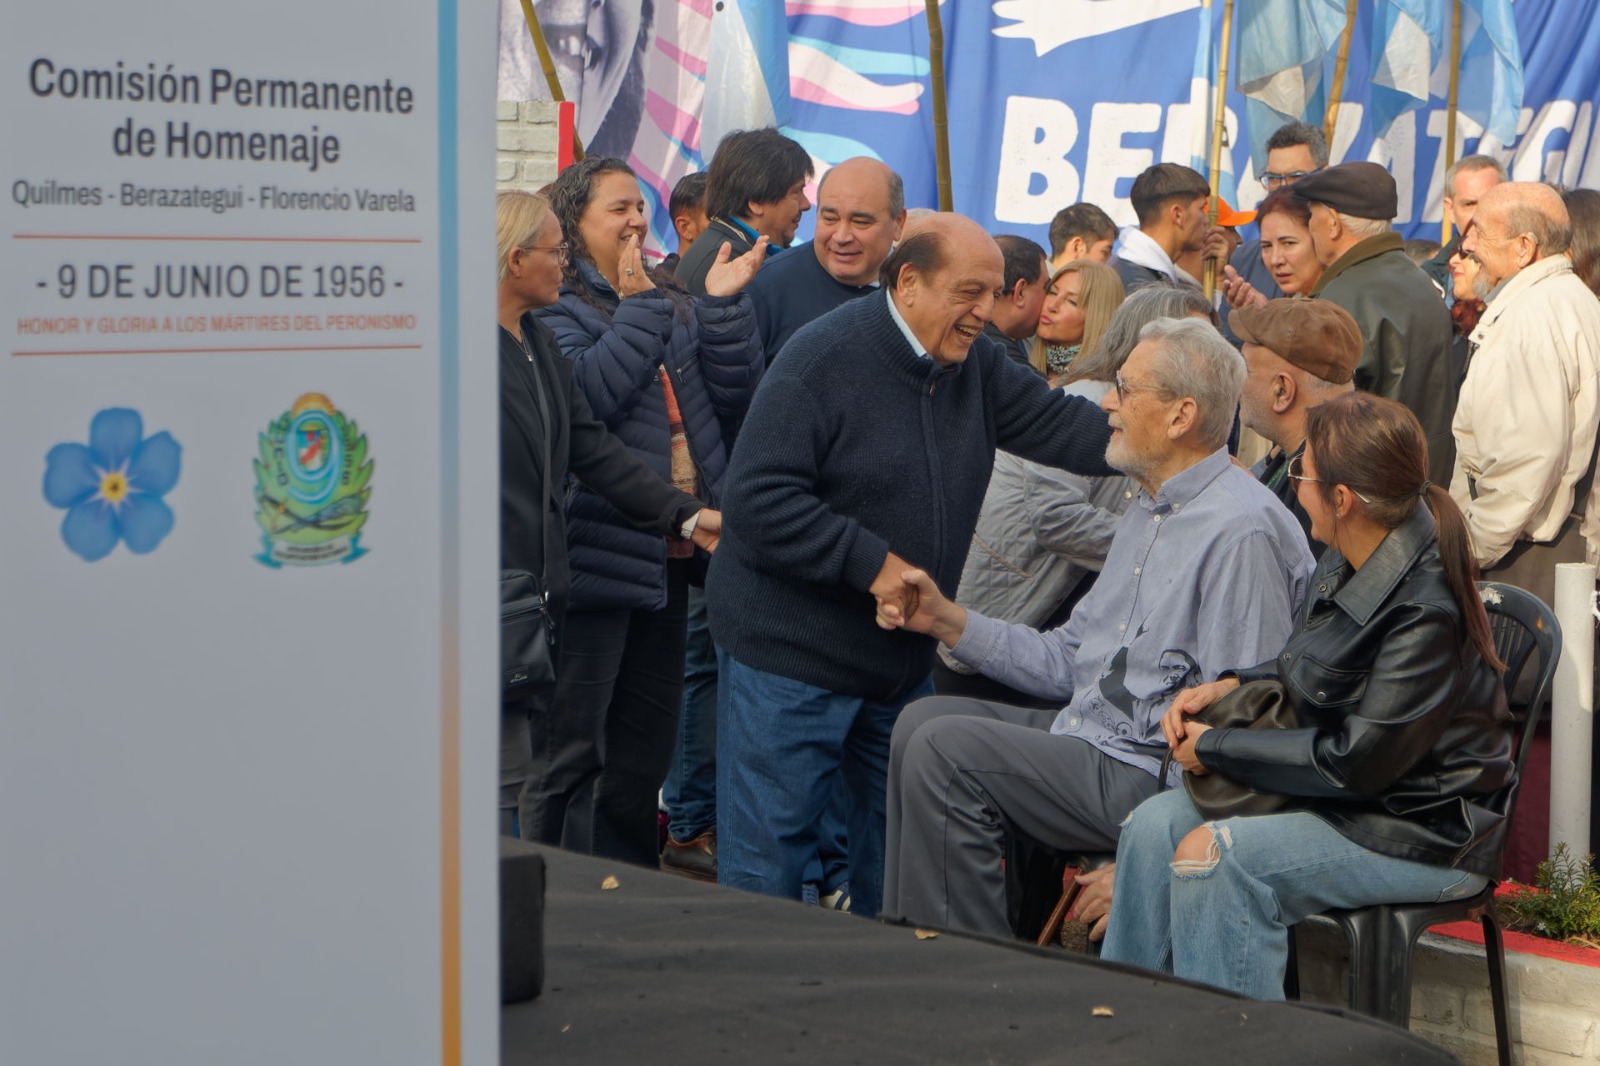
x: 112, y: 489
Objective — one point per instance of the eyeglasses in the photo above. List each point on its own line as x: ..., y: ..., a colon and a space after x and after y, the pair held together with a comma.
x: 562, y: 251
x: 1278, y: 181
x: 1297, y: 464
x: 1124, y: 387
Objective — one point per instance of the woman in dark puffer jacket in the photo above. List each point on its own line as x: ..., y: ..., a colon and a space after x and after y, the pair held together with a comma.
x: 672, y: 376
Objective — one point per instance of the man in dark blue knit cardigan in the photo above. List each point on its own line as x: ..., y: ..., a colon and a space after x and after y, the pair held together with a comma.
x: 867, y: 451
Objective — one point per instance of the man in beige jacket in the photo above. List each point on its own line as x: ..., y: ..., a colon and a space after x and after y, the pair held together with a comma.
x: 1525, y: 423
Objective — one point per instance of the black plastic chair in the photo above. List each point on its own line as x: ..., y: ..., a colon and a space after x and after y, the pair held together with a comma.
x: 1382, y: 937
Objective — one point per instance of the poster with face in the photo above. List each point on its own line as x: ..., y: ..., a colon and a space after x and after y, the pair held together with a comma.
x: 599, y: 51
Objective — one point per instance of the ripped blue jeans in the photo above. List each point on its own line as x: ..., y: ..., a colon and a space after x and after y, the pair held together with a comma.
x: 1225, y: 920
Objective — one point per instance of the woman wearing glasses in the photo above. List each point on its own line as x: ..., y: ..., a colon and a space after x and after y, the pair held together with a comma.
x: 1401, y: 752
x: 672, y: 375
x: 545, y: 419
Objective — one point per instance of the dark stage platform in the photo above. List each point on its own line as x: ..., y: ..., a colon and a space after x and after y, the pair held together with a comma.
x: 663, y: 970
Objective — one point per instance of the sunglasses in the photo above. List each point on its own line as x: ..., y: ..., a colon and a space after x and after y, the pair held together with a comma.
x: 1297, y: 465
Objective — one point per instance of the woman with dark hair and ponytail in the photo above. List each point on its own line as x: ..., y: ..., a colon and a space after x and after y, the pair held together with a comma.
x: 1399, y: 759
x: 671, y: 375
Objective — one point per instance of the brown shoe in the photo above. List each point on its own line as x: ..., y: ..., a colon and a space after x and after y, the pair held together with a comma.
x: 695, y: 858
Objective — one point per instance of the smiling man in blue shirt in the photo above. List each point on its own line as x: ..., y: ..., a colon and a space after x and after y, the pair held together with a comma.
x: 1205, y: 574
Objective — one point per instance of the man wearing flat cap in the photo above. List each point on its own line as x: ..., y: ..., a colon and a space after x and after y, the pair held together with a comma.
x: 1405, y: 328
x: 1297, y: 354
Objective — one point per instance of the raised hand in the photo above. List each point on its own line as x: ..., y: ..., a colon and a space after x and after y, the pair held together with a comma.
x: 1239, y: 292
x: 631, y: 276
x: 728, y: 276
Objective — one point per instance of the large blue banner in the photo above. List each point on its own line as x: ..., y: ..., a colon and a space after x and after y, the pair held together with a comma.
x: 1055, y: 101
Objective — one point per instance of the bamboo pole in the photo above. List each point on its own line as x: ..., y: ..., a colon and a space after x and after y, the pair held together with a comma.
x: 1219, y: 129
x: 941, y: 121
x: 1450, y: 109
x: 549, y: 67
x: 1336, y: 90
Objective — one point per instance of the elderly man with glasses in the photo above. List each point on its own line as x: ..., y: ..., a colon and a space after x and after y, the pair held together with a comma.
x: 1525, y: 423
x: 1206, y: 567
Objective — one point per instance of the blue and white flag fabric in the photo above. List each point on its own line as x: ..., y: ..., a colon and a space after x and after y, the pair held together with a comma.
x: 1490, y: 87
x: 747, y: 70
x: 1282, y: 46
x: 1202, y: 109
x: 1408, y: 43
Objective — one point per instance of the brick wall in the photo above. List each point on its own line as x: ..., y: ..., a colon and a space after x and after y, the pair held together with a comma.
x: 525, y: 144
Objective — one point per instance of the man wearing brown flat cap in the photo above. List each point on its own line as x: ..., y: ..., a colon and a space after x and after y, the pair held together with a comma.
x: 1405, y: 328
x: 1297, y: 354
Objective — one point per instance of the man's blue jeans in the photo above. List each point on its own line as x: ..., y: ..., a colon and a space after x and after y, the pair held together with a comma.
x: 782, y: 745
x: 1225, y: 921
x: 690, y: 792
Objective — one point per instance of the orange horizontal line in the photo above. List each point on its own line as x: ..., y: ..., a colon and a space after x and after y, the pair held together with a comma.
x: 238, y: 240
x: 225, y: 351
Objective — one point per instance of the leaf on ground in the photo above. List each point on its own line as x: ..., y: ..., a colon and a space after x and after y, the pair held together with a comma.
x: 926, y: 934
x: 1102, y: 1012
x: 609, y: 883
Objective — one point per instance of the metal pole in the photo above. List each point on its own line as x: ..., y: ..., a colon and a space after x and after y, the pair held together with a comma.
x: 1219, y: 129
x: 1336, y: 90
x: 941, y: 122
x: 1450, y: 108
x: 549, y: 66
x: 1572, y: 709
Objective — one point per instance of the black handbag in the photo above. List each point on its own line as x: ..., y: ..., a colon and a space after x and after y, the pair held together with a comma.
x: 527, y: 633
x: 1257, y: 705
x: 527, y: 629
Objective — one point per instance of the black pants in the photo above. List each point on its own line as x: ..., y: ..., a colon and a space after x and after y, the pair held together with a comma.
x: 602, y: 749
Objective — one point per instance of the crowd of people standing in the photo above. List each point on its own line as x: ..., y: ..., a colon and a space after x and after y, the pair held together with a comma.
x: 873, y: 556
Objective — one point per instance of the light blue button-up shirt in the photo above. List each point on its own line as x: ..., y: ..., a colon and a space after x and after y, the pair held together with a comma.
x: 1207, y: 575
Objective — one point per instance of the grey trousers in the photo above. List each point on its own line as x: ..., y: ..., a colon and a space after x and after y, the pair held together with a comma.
x: 965, y: 773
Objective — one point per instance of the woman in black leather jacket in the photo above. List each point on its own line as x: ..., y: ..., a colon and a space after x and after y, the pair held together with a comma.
x: 1398, y: 770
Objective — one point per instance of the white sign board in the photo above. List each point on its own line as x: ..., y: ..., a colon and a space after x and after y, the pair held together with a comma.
x: 249, y: 542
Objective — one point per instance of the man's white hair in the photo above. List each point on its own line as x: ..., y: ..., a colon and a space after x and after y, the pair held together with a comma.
x: 1362, y: 228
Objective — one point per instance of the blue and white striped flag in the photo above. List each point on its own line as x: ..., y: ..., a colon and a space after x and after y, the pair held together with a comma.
x: 1282, y: 45
x: 747, y: 70
x: 1408, y: 42
x: 1202, y: 109
x: 1490, y: 90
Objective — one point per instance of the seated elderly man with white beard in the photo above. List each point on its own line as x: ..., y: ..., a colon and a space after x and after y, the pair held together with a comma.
x: 1207, y: 569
